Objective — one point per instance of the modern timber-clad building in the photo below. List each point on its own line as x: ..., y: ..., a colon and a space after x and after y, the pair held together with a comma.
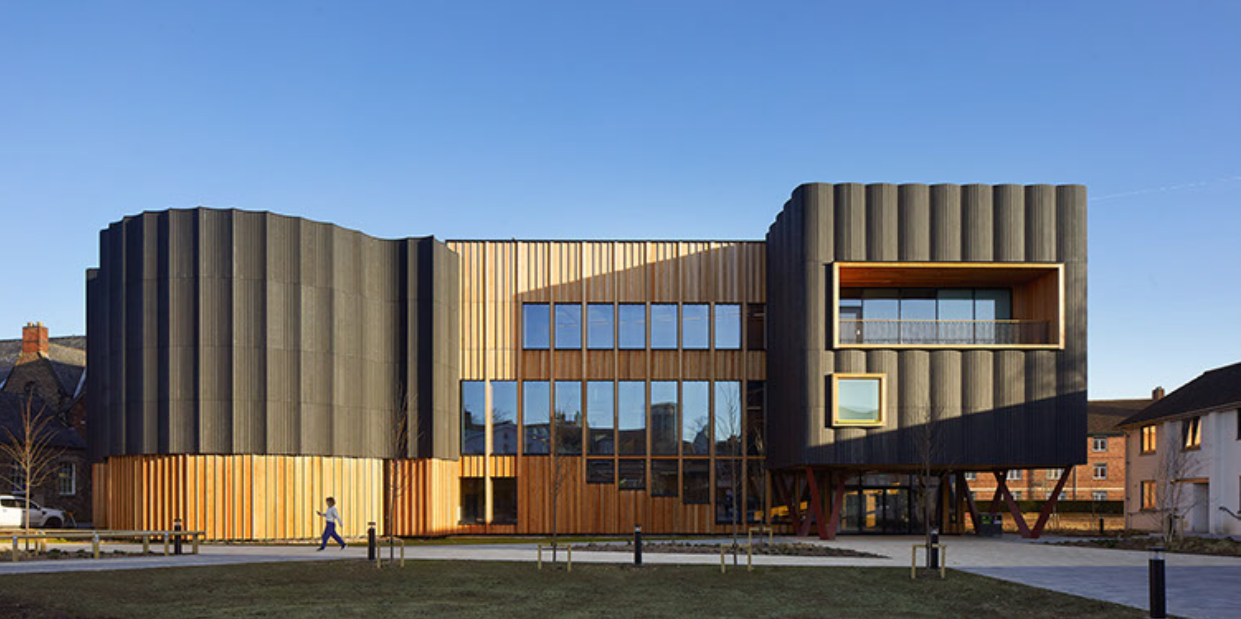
x: 244, y: 366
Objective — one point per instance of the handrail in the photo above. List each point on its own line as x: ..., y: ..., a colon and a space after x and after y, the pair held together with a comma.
x: 928, y: 331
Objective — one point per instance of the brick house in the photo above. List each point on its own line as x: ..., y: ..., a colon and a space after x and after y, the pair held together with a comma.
x: 1102, y: 478
x: 52, y: 371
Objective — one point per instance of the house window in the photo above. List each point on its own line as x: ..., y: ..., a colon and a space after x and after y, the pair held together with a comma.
x: 1148, y: 495
x: 631, y: 407
x: 67, y: 479
x: 1013, y: 475
x: 1149, y: 434
x: 536, y: 320
x: 1054, y: 474
x: 1098, y: 495
x: 727, y: 326
x: 664, y: 421
x: 1099, y: 443
x: 17, y: 475
x: 568, y: 417
x: 599, y: 326
x: 600, y: 472
x: 1100, y: 470
x: 600, y: 418
x: 727, y: 418
x: 1191, y: 433
x: 695, y: 418
x: 1017, y: 495
x: 473, y: 500
x: 504, y: 418
x: 536, y: 417
x: 857, y: 399
x: 504, y: 500
x: 568, y: 327
x: 970, y: 476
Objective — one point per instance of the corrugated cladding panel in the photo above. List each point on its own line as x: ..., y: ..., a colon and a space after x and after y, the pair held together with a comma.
x: 231, y: 332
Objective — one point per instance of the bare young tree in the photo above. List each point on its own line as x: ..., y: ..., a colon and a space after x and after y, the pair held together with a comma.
x: 400, y: 477
x: 1172, y: 499
x: 562, y: 463
x: 928, y: 446
x: 30, y: 450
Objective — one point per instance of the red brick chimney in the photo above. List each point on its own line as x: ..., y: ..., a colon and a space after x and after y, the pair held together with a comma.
x: 34, y: 342
x: 1157, y: 393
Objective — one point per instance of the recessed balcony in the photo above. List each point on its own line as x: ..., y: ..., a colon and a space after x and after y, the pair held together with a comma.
x: 946, y: 305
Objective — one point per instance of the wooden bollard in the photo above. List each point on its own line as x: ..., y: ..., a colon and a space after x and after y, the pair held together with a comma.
x: 15, y: 549
x: 95, y: 544
x: 146, y: 544
x: 165, y: 544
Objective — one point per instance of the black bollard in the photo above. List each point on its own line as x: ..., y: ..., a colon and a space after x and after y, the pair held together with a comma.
x: 637, y: 545
x: 371, y: 549
x: 1159, y: 601
x: 176, y: 539
x: 1100, y: 526
x: 932, y: 553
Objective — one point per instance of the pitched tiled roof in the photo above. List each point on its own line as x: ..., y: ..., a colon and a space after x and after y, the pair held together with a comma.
x: 13, y: 405
x: 1103, y: 416
x: 1216, y: 388
x: 67, y: 354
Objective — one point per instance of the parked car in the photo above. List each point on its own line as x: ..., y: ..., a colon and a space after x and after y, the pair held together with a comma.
x: 11, y: 514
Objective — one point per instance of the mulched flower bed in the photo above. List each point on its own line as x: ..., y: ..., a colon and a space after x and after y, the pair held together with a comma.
x: 695, y: 548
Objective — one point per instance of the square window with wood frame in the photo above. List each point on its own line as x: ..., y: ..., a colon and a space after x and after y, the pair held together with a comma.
x: 857, y: 399
x: 1191, y: 433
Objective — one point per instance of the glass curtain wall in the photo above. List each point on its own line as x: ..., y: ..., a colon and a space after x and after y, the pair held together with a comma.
x: 569, y: 418
x: 536, y: 415
x: 664, y: 418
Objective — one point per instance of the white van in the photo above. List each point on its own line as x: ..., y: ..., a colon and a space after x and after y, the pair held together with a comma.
x: 11, y: 514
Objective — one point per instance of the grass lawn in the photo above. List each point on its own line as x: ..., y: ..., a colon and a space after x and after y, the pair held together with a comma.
x: 511, y: 590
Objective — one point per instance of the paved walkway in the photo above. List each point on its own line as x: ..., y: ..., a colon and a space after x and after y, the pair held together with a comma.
x: 1198, y: 586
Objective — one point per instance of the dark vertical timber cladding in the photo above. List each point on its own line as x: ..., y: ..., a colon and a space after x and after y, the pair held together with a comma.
x: 231, y: 332
x: 1071, y: 250
x: 995, y: 407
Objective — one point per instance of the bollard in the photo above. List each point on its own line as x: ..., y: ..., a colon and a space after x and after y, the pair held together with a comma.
x: 95, y: 544
x: 749, y: 558
x: 637, y: 545
x: 1100, y: 526
x: 723, y: 563
x: 540, y: 557
x: 932, y: 552
x: 15, y: 550
x: 371, y: 552
x: 176, y: 540
x: 569, y: 565
x: 1158, y: 593
x: 194, y: 541
x: 146, y: 544
x: 165, y: 543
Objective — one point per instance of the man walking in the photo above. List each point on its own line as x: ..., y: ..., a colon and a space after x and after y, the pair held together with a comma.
x: 329, y: 529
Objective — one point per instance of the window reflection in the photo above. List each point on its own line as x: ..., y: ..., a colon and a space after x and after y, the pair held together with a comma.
x: 632, y: 474
x: 695, y: 326
x: 664, y: 418
x: 695, y: 482
x: 756, y: 491
x: 600, y: 471
x: 631, y: 323
x: 568, y: 327
x: 664, y: 478
x: 857, y: 400
x: 727, y: 491
x: 755, y: 326
x: 504, y: 500
x: 600, y: 418
x: 504, y: 417
x: 473, y: 417
x: 696, y: 418
x: 473, y: 501
x: 728, y: 326
x: 599, y: 326
x: 631, y: 415
x: 727, y: 418
x: 569, y: 418
x: 663, y: 326
x: 535, y: 416
x: 535, y: 325
x: 755, y: 391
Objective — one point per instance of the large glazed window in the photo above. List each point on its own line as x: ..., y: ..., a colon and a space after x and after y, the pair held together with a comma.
x: 857, y: 399
x: 631, y: 474
x: 696, y: 418
x: 631, y: 323
x: 536, y: 323
x: 728, y: 418
x: 756, y: 326
x: 600, y: 418
x: 728, y: 327
x: 696, y: 482
x: 664, y: 417
x: 504, y: 418
x: 535, y: 417
x: 664, y: 478
x: 695, y: 326
x: 663, y: 326
x: 568, y: 327
x: 473, y: 417
x: 569, y: 418
x: 631, y: 414
x: 599, y: 326
x: 504, y: 500
x: 946, y: 305
x: 473, y: 500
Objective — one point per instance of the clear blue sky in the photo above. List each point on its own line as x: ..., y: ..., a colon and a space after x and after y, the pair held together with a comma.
x: 638, y: 120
